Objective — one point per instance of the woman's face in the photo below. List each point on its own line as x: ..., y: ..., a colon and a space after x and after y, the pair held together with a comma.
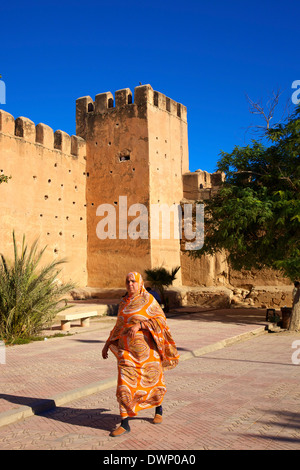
x: 132, y: 285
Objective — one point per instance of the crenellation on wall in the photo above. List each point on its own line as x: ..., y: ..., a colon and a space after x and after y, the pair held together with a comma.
x: 44, y: 135
x: 78, y: 146
x: 62, y: 141
x: 165, y: 103
x: 183, y: 112
x: 25, y: 129
x: 103, y: 102
x: 143, y: 94
x: 201, y: 185
x: 159, y: 100
x: 7, y: 123
x: 107, y: 102
x: 84, y: 105
x: 123, y: 97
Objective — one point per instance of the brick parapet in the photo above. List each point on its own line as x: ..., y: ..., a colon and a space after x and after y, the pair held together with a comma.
x: 201, y: 185
x: 41, y: 134
x: 143, y: 95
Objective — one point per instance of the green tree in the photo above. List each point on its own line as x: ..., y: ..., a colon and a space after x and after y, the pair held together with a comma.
x: 161, y: 278
x: 255, y: 217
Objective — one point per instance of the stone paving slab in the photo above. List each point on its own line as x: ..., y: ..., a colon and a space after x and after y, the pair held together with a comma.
x: 242, y: 397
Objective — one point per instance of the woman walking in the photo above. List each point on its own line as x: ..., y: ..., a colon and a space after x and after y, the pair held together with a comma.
x: 144, y: 347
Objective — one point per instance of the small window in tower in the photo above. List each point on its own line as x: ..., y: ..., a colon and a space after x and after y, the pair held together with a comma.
x: 110, y: 103
x: 129, y: 99
x: 90, y: 107
x: 123, y: 158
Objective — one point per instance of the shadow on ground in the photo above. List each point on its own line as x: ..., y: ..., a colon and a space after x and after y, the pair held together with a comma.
x: 102, y: 418
x: 237, y: 316
x: 99, y: 418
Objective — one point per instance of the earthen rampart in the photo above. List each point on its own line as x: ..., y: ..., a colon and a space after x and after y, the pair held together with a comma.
x: 126, y: 144
x: 45, y: 196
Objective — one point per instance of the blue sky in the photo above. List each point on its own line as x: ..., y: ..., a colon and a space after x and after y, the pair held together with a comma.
x: 206, y: 55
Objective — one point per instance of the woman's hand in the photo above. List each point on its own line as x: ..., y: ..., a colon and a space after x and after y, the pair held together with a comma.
x: 133, y: 330
x: 105, y: 351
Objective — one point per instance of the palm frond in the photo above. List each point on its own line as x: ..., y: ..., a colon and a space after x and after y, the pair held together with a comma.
x: 29, y: 295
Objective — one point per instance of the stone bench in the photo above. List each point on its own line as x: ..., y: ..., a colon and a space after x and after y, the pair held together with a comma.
x: 84, y: 317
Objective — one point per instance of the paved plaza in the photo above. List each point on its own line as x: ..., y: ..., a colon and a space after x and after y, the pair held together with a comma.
x: 237, y: 387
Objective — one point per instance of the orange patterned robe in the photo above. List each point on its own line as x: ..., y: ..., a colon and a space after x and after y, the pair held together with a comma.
x: 141, y: 359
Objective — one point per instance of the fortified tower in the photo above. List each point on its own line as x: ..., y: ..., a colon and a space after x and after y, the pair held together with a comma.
x: 130, y: 156
x: 137, y: 152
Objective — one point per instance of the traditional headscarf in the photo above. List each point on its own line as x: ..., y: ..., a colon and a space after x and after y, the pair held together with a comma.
x: 138, y: 278
x: 144, y: 308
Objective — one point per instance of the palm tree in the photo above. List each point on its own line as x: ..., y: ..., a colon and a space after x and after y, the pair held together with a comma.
x: 29, y: 297
x: 161, y: 278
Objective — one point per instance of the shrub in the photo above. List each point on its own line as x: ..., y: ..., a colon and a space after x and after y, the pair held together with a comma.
x: 161, y: 278
x: 30, y: 297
